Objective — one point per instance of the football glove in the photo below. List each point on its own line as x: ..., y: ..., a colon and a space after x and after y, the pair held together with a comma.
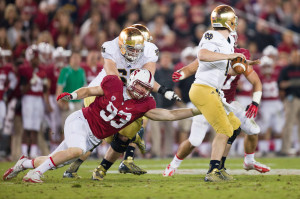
x: 65, y: 96
x: 168, y: 93
x: 252, y: 109
x: 177, y: 76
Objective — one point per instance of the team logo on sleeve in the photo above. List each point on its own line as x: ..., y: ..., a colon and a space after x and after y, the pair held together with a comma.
x: 157, y: 52
x: 102, y: 49
x: 208, y: 36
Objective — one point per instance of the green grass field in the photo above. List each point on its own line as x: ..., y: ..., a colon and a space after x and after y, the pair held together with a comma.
x: 153, y: 185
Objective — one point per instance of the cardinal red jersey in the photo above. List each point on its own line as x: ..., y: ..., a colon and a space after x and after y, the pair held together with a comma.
x: 4, y: 72
x: 110, y: 113
x: 27, y: 74
x: 229, y: 87
x: 91, y: 73
x: 270, y: 89
x: 52, y: 75
x: 231, y: 82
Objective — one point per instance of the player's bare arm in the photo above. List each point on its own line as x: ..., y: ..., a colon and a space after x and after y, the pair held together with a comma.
x: 255, y: 81
x: 209, y: 56
x: 82, y: 93
x: 159, y: 114
x: 110, y: 67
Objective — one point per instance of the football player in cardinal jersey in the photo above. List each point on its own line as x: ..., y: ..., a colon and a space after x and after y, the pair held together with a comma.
x: 34, y: 85
x: 8, y: 82
x: 272, y: 109
x: 114, y: 108
x: 248, y: 125
x: 129, y: 51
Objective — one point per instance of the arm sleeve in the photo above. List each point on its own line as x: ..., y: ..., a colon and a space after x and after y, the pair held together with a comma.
x: 107, y: 51
x: 209, y: 46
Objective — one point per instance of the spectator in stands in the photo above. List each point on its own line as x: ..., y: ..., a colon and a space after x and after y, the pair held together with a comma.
x: 3, y: 39
x: 295, y: 26
x: 91, y: 68
x: 289, y: 82
x: 10, y: 16
x: 263, y: 36
x: 287, y: 44
x: 149, y: 9
x: 70, y: 79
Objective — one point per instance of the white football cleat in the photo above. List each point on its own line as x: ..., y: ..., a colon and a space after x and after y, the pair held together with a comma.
x: 257, y: 166
x: 169, y: 171
x: 15, y: 170
x: 33, y: 176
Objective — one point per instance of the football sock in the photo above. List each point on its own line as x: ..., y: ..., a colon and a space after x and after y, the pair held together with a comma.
x: 75, y: 166
x: 263, y: 146
x: 222, y: 163
x: 46, y: 165
x: 176, y: 162
x: 106, y: 164
x: 33, y: 151
x: 24, y: 149
x: 249, y: 157
x: 129, y: 152
x: 278, y: 145
x: 28, y: 164
x: 214, y: 164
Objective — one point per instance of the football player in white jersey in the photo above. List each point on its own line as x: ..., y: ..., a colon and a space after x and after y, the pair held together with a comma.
x: 121, y: 56
x: 200, y: 125
x: 216, y: 49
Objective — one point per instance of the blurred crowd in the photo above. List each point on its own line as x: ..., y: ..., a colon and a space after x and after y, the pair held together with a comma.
x: 50, y: 46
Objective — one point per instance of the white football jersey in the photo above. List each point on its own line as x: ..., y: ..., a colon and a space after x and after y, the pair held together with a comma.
x: 110, y: 50
x: 214, y: 73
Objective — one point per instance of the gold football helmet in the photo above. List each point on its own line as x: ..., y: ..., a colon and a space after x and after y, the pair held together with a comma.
x: 144, y: 30
x: 224, y: 16
x: 131, y: 44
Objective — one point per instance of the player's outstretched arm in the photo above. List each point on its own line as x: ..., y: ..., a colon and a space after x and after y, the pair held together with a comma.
x: 81, y: 93
x: 209, y: 56
x: 160, y: 114
x: 186, y: 71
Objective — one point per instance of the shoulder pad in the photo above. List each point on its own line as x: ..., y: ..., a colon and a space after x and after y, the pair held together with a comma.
x: 151, y: 50
x: 109, y: 48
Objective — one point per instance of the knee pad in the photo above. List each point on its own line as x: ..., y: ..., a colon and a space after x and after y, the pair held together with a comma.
x: 118, y: 144
x: 233, y: 137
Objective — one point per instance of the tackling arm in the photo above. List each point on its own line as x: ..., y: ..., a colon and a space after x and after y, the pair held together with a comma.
x: 82, y: 93
x: 159, y: 114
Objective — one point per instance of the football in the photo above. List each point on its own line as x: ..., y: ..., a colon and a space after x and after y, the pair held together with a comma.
x: 239, y: 65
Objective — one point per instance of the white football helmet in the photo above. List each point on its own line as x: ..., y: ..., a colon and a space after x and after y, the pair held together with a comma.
x: 140, y: 84
x: 31, y: 52
x: 188, y: 53
x: 45, y: 52
x: 266, y: 64
x: 60, y: 56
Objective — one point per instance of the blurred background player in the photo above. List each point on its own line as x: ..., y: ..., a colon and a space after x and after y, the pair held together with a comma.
x: 34, y: 85
x: 8, y: 82
x: 271, y: 115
